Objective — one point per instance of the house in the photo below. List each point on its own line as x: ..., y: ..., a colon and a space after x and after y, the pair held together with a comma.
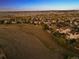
x: 63, y: 30
x: 72, y: 36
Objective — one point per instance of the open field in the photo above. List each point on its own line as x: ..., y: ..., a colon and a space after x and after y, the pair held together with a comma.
x: 28, y: 42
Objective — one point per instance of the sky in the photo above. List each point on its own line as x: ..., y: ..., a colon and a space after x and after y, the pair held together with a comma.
x: 28, y: 5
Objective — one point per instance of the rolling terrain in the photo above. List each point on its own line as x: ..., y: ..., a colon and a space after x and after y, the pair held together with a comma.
x: 27, y: 39
x: 28, y: 42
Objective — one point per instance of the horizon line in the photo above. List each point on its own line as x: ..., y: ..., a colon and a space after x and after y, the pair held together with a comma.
x: 41, y: 10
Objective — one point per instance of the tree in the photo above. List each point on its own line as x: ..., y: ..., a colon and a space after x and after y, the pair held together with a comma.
x: 45, y: 27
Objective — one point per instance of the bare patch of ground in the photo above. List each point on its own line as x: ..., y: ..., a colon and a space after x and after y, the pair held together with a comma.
x: 28, y: 42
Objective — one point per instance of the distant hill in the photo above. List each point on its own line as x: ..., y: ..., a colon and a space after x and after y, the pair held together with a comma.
x: 39, y: 11
x: 25, y: 13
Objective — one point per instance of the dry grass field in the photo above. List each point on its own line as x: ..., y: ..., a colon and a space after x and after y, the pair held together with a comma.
x: 28, y: 42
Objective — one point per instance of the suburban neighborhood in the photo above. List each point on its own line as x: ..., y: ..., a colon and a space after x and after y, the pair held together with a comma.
x: 62, y: 26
